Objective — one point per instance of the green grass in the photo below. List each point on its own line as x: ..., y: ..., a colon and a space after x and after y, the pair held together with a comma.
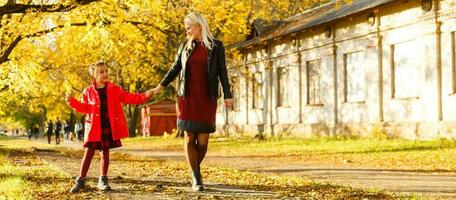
x: 277, y: 146
x: 12, y: 184
x: 155, y: 143
x: 14, y: 187
x: 434, y: 155
x: 23, y: 176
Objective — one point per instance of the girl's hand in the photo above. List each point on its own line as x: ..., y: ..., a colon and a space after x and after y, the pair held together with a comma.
x: 68, y: 99
x: 229, y: 103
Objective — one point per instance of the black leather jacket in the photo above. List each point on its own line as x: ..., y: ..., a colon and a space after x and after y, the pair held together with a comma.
x: 216, y: 70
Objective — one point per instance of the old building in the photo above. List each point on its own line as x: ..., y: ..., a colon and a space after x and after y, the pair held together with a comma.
x: 384, y: 66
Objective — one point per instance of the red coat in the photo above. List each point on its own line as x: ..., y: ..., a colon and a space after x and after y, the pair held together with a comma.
x: 90, y: 105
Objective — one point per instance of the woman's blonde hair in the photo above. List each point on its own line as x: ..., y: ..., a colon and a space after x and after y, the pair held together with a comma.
x: 195, y: 18
x: 94, y: 65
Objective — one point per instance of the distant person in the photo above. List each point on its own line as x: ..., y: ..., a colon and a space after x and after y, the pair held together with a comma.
x: 79, y: 131
x: 36, y: 131
x: 29, y: 133
x: 50, y: 129
x: 66, y: 132
x: 58, y: 128
x: 106, y: 125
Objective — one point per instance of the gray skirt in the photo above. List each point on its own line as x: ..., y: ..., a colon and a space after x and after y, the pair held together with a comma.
x: 195, y: 127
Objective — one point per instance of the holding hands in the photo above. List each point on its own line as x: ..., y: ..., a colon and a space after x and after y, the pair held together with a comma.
x: 154, y: 91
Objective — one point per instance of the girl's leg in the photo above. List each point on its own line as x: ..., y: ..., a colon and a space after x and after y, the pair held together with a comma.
x: 202, y: 141
x: 104, y: 162
x: 191, y: 150
x: 86, y: 160
x: 85, y: 165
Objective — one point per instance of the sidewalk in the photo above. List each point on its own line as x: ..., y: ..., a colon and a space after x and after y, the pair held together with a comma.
x: 428, y: 183
x: 152, y: 186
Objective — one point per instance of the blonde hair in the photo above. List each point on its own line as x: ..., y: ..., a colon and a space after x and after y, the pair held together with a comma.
x: 195, y: 18
x: 94, y: 65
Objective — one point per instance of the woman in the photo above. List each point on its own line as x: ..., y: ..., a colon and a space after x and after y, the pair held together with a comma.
x: 200, y: 63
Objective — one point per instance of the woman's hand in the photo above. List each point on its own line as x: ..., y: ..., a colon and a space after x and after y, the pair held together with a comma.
x: 156, y: 90
x: 149, y: 93
x: 229, y: 103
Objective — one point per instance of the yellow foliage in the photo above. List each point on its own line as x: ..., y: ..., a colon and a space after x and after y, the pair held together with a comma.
x: 137, y: 38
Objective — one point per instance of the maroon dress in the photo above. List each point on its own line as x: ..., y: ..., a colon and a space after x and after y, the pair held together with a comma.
x: 106, y: 141
x: 197, y: 109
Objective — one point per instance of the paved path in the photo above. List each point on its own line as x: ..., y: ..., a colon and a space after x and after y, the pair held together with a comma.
x: 133, y: 187
x: 429, y: 183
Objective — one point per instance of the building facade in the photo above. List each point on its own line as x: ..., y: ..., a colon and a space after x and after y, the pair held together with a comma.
x: 372, y: 66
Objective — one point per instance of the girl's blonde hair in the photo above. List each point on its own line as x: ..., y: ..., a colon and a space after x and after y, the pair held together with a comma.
x: 94, y: 65
x: 195, y: 18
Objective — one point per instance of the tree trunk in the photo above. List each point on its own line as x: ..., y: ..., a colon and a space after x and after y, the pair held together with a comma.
x: 133, y: 121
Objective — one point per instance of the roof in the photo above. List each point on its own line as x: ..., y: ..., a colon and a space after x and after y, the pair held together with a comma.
x: 317, y: 16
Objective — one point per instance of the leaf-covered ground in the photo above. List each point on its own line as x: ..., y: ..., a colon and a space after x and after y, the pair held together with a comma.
x: 33, y: 170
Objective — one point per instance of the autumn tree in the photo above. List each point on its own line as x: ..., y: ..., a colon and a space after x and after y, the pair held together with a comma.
x: 45, y: 48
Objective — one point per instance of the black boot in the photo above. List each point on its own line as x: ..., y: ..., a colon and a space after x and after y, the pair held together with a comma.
x: 78, y: 185
x: 197, y: 181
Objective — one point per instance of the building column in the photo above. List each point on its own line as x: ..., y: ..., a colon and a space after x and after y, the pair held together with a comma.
x: 380, y: 67
x: 245, y: 73
x: 298, y: 52
x: 438, y: 37
x: 269, y: 70
x: 336, y: 103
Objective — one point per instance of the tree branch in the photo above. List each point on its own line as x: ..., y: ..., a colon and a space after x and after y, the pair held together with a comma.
x: 9, y: 50
x: 135, y: 23
x: 12, y: 8
x: 4, y: 88
x: 13, y: 44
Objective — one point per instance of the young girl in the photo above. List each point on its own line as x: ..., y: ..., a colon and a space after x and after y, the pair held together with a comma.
x: 105, y: 123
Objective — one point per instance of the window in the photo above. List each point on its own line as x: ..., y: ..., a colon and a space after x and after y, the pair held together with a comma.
x: 314, y: 83
x: 257, y: 94
x: 282, y: 87
x: 405, y: 70
x: 354, y: 77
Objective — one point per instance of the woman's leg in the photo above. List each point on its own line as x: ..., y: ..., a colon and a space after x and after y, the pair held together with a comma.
x: 191, y: 150
x: 202, y: 141
x: 104, y: 162
x: 86, y: 160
